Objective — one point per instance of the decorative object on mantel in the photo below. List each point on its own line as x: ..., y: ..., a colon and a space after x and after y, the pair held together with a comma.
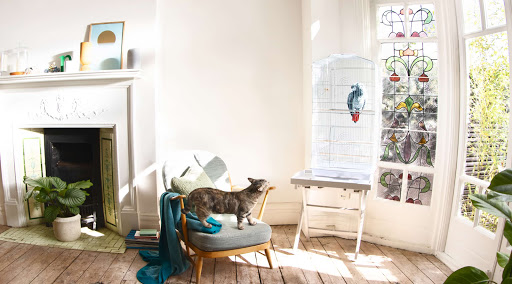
x: 85, y: 55
x: 134, y: 58
x: 107, y: 41
x: 61, y: 204
x: 52, y: 68
x: 63, y: 60
x: 102, y: 240
x: 3, y: 63
x: 17, y: 60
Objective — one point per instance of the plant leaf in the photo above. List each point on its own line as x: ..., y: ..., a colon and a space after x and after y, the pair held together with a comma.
x: 42, y: 197
x: 74, y: 197
x: 58, y: 183
x: 467, y: 275
x: 506, y: 270
x: 50, y: 213
x: 28, y: 194
x: 499, y: 196
x: 507, y: 231
x: 507, y: 280
x: 43, y: 182
x: 497, y: 208
x: 74, y: 210
x: 502, y: 259
x: 80, y: 184
x: 502, y: 182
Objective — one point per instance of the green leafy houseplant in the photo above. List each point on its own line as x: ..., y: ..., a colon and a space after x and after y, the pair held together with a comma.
x: 494, y: 202
x: 61, y: 199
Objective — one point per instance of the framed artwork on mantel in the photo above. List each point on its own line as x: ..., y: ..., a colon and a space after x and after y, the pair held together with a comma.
x: 107, y: 45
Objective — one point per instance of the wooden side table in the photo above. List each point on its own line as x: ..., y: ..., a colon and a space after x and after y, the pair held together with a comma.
x: 308, y: 182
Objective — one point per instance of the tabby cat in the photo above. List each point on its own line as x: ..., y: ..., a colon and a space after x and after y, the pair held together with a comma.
x: 210, y: 200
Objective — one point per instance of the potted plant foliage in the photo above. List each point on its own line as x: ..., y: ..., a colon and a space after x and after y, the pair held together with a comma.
x: 62, y: 201
x: 494, y: 202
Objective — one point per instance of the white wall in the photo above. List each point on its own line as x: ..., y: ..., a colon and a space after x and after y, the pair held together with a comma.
x: 231, y: 83
x: 49, y: 28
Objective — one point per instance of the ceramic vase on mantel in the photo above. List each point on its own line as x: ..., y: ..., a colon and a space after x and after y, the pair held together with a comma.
x: 67, y: 229
x: 85, y: 55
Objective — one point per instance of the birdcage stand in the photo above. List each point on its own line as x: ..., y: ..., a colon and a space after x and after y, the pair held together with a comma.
x: 306, y: 182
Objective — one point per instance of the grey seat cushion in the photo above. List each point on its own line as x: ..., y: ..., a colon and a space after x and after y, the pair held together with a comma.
x: 230, y: 237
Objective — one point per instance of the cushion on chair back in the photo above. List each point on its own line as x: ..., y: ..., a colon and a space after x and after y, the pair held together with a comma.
x: 194, y: 177
x: 213, y: 166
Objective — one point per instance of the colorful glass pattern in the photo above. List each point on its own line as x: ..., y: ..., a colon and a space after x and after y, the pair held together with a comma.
x: 422, y: 22
x: 409, y: 110
x: 392, y: 21
x: 390, y: 184
x: 419, y: 188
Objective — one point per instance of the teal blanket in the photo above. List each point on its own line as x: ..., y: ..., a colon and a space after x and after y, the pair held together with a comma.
x: 170, y: 258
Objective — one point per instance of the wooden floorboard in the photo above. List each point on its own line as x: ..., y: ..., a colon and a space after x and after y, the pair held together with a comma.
x: 317, y: 260
x: 31, y: 271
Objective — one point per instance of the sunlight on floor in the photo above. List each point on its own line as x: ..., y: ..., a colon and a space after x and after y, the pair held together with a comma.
x: 335, y: 263
x: 92, y: 233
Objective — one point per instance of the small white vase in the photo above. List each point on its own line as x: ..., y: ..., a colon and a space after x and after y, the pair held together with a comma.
x: 67, y: 229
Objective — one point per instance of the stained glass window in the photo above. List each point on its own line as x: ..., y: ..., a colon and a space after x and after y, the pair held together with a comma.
x: 409, y: 109
x: 390, y: 184
x: 422, y: 22
x: 391, y: 22
x: 409, y: 98
x: 419, y: 188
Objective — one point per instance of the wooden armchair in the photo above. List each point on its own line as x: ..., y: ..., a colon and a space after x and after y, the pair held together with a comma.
x: 230, y: 240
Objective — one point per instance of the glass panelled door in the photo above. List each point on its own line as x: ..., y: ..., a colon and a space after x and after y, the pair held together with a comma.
x: 475, y: 236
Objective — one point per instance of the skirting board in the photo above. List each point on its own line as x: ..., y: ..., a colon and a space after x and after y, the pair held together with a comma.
x: 446, y: 259
x: 279, y: 213
x: 287, y: 213
x: 149, y: 221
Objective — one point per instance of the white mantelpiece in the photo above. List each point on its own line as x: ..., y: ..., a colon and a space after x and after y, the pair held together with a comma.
x: 98, y: 99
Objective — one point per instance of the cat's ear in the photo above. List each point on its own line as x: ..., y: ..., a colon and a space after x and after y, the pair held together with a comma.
x: 251, y: 180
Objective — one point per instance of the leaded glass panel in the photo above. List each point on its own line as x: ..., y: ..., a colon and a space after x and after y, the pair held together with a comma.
x: 390, y: 184
x: 419, y: 188
x: 409, y: 105
x: 422, y: 20
x: 391, y: 21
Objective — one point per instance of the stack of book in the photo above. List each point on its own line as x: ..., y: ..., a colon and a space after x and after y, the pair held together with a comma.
x: 143, y: 239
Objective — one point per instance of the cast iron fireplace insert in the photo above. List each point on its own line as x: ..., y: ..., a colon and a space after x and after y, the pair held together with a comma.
x: 73, y: 154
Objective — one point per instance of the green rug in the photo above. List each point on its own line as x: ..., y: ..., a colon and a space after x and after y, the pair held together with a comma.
x: 103, y: 240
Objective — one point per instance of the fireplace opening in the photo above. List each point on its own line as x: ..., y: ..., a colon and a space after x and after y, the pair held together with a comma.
x: 73, y: 154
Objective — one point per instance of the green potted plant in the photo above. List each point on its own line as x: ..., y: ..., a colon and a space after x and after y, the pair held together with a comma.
x: 62, y: 201
x: 494, y: 202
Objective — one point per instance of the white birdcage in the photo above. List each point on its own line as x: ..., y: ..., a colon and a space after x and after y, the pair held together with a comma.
x: 344, y: 139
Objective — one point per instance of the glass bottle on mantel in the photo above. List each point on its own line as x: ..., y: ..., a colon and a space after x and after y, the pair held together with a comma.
x: 3, y: 63
x: 17, y: 60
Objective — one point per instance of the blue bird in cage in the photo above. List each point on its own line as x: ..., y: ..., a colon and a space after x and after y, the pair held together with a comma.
x: 356, y: 101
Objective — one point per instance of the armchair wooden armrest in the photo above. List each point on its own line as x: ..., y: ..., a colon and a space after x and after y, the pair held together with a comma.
x: 260, y: 215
